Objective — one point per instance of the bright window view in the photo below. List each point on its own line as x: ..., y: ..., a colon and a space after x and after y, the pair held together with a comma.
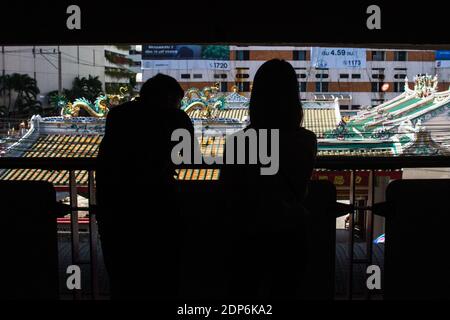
x: 363, y: 102
x: 359, y: 102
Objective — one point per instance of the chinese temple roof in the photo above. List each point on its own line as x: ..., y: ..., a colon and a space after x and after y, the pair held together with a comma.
x: 56, y: 146
x: 392, y: 128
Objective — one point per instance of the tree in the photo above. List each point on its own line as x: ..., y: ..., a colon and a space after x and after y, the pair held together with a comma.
x: 6, y: 88
x: 26, y: 89
x: 216, y: 52
x: 89, y: 88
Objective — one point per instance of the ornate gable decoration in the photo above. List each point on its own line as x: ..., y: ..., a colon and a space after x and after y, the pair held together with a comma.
x: 424, y: 145
x: 235, y: 100
x: 425, y: 85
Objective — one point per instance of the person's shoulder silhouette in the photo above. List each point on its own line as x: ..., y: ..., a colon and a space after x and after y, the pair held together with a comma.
x: 275, y: 105
x: 135, y: 179
x: 267, y: 218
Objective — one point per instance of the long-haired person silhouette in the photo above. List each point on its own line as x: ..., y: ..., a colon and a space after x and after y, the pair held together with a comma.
x: 268, y: 249
x: 139, y: 217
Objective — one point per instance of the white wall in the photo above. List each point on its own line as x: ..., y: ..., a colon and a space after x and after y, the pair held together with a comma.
x: 75, y: 61
x: 358, y: 98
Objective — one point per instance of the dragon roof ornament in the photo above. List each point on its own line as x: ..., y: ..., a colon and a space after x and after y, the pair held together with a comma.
x: 98, y: 109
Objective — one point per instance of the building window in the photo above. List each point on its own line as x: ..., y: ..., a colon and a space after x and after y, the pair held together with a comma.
x: 299, y: 55
x: 378, y: 55
x: 242, y: 75
x: 220, y: 76
x: 378, y: 76
x: 356, y: 107
x: 302, y: 86
x: 321, y: 86
x: 301, y: 75
x: 376, y: 86
x: 198, y: 76
x: 344, y: 76
x: 243, y: 86
x: 344, y: 107
x: 356, y: 76
x: 185, y: 76
x: 223, y: 87
x: 322, y: 75
x: 399, y: 86
x: 400, y: 55
x: 399, y: 76
x: 242, y: 55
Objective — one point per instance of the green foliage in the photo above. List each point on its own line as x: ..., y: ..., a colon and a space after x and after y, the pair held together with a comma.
x: 117, y: 58
x: 118, y: 73
x: 216, y: 52
x: 114, y: 88
x: 89, y: 88
x: 26, y: 89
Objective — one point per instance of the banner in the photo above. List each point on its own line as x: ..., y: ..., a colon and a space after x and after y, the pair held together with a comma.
x: 185, y: 52
x: 338, y: 58
x: 443, y: 64
x: 442, y: 55
x: 223, y: 65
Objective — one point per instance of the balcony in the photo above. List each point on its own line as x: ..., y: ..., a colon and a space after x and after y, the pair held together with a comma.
x: 356, y: 226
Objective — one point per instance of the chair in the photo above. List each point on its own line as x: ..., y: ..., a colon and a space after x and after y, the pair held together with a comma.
x: 417, y: 262
x: 323, y: 210
x: 29, y: 267
x: 206, y: 241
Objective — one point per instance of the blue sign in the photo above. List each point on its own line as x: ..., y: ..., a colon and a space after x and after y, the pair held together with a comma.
x: 442, y: 54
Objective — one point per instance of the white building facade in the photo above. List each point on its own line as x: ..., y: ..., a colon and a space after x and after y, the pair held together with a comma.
x: 41, y: 63
x: 379, y: 78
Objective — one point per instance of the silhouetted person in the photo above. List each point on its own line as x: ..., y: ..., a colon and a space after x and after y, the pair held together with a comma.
x: 267, y: 253
x: 138, y: 213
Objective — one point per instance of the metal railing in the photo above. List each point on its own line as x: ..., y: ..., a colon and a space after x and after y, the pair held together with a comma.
x: 351, y: 164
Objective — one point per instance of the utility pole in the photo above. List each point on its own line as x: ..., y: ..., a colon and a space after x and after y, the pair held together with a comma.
x: 34, y: 62
x: 3, y: 72
x: 59, y: 72
x: 58, y: 66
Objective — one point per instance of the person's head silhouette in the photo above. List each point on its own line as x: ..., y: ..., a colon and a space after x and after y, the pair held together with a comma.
x: 161, y: 91
x: 275, y: 100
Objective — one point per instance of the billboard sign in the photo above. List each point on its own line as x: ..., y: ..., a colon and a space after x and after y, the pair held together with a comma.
x: 443, y: 64
x: 223, y: 65
x: 185, y: 52
x: 338, y: 58
x: 442, y: 55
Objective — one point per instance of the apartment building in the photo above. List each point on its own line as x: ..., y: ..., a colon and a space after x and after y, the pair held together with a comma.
x: 135, y: 56
x: 41, y: 63
x: 117, y: 68
x: 381, y: 77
